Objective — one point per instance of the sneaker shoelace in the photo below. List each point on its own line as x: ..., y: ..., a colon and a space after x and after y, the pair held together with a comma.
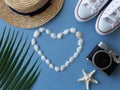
x: 112, y: 13
x: 92, y: 5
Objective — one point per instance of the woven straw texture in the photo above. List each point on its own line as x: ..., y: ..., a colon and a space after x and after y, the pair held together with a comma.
x: 26, y: 6
x: 30, y: 22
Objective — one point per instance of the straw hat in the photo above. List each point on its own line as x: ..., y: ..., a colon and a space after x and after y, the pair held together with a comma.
x: 16, y: 12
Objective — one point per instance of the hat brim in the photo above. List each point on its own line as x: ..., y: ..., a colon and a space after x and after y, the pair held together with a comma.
x: 30, y: 22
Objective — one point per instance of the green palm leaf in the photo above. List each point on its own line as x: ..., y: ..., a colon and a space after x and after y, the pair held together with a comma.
x: 13, y: 54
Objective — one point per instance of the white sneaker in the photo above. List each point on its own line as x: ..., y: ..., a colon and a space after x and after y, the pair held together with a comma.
x: 109, y: 19
x: 87, y: 9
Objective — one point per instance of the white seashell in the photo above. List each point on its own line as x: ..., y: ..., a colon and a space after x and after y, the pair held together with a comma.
x: 48, y: 61
x: 66, y: 32
x: 79, y: 49
x: 62, y: 68
x: 48, y: 31
x: 53, y: 35
x: 36, y: 47
x: 40, y: 52
x: 67, y: 63
x: 43, y: 57
x: 36, y: 34
x: 60, y: 35
x: 72, y: 59
x: 51, y: 66
x: 42, y: 29
x: 78, y: 34
x: 80, y: 42
x: 33, y: 41
x: 73, y: 30
x: 57, y: 69
x: 76, y: 54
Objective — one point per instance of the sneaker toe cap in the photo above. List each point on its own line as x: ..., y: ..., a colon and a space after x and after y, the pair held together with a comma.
x: 103, y: 27
x: 82, y: 13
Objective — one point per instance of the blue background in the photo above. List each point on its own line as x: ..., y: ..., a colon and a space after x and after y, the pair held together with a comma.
x: 60, y: 51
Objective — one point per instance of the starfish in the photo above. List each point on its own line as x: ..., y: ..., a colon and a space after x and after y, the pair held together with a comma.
x: 88, y: 78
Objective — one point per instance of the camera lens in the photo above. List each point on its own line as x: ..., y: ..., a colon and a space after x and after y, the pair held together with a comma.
x: 102, y: 59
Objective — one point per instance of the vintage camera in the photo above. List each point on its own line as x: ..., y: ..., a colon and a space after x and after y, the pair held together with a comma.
x: 104, y: 58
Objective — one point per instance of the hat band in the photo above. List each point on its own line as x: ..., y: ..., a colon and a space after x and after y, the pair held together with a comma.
x: 42, y: 9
